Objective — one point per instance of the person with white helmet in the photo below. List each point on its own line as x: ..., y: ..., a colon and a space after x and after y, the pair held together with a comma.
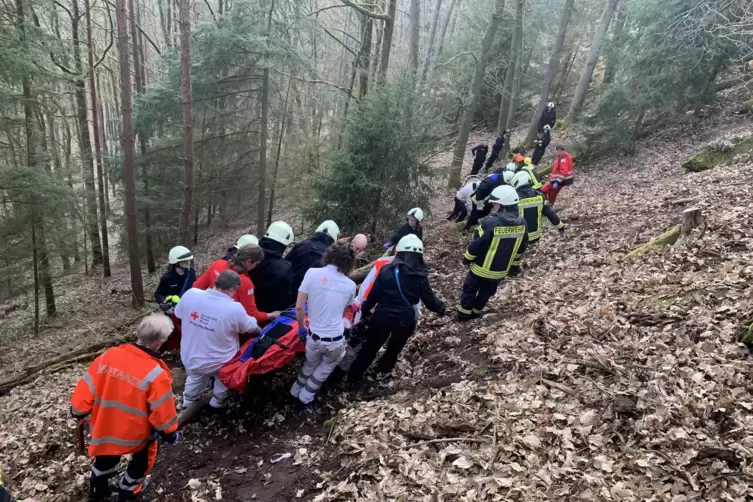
x: 242, y: 241
x: 548, y: 117
x: 178, y: 278
x: 480, y: 207
x: 399, y: 287
x: 494, y: 253
x: 532, y: 207
x: 308, y: 254
x: 273, y: 277
x: 463, y: 199
x: 542, y: 141
x: 412, y: 226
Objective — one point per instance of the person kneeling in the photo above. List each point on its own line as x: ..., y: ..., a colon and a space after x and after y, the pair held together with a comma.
x: 212, y: 321
x: 397, y: 289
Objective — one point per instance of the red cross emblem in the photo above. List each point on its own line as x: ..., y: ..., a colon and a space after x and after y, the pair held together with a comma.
x: 324, y: 280
x: 194, y: 315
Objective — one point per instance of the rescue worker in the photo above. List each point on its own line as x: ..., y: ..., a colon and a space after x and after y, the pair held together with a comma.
x: 412, y: 226
x: 548, y: 117
x: 308, y: 254
x: 273, y: 276
x: 463, y: 200
x: 481, y: 208
x: 533, y: 174
x: 561, y: 176
x: 499, y: 143
x: 246, y: 259
x: 212, y: 323
x: 479, y: 156
x: 329, y: 293
x: 399, y: 287
x: 494, y: 253
x: 127, y: 395
x: 542, y: 142
x: 242, y: 241
x: 178, y: 279
x: 532, y: 206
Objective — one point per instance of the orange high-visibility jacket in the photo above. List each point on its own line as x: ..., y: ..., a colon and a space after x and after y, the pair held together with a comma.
x: 128, y: 392
x: 368, y: 282
x: 244, y: 295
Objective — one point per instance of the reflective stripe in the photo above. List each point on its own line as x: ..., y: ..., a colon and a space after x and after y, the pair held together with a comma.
x: 316, y: 381
x: 490, y: 253
x: 90, y: 382
x: 167, y: 425
x: 480, y: 231
x: 560, y: 225
x: 509, y: 236
x: 311, y: 388
x: 477, y: 311
x: 113, y: 440
x: 515, y: 255
x: 99, y: 473
x: 122, y: 407
x: 150, y: 377
x: 78, y: 413
x: 469, y: 256
x: 158, y: 402
x: 487, y: 274
x: 464, y: 311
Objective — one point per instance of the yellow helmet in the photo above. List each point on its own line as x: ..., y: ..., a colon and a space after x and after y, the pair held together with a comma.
x: 528, y: 161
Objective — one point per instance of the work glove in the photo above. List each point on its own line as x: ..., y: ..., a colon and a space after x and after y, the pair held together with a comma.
x: 387, y: 245
x: 172, y: 439
x: 168, y: 308
x: 556, y: 185
x: 303, y: 332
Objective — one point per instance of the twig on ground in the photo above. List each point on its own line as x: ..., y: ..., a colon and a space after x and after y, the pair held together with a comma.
x: 444, y: 440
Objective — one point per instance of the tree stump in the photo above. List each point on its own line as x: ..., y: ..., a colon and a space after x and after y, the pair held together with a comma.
x: 691, y: 218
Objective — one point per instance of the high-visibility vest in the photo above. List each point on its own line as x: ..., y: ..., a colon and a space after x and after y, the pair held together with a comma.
x: 127, y: 392
x: 368, y: 283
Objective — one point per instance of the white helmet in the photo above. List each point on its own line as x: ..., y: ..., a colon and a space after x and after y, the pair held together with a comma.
x: 512, y: 167
x: 279, y: 231
x: 550, y: 104
x: 521, y: 179
x: 547, y: 127
x: 245, y: 240
x: 504, y: 195
x: 329, y: 227
x: 508, y: 176
x: 179, y: 254
x: 416, y: 213
x: 410, y: 243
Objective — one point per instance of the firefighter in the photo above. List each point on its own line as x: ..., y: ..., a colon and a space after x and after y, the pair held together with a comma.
x: 494, y: 253
x: 127, y: 395
x: 397, y: 290
x: 308, y: 254
x: 533, y: 175
x: 548, y: 117
x: 481, y: 208
x: 412, y: 226
x: 246, y: 259
x: 532, y: 207
x: 273, y: 277
x: 179, y: 278
x: 463, y: 199
x: 542, y: 142
x: 329, y: 293
x: 479, y: 156
x: 499, y: 143
x: 242, y: 241
x: 212, y: 324
x: 561, y: 176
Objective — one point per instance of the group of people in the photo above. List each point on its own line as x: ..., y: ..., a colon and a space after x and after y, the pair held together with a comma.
x: 127, y: 395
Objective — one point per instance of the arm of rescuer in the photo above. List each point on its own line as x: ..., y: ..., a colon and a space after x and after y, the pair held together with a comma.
x: 300, y: 304
x: 245, y: 296
x: 85, y: 392
x: 483, y: 191
x: 515, y: 268
x: 162, y: 414
x: 479, y: 245
x: 204, y: 282
x: 430, y: 299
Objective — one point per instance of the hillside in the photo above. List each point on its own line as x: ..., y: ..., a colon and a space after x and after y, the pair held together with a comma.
x: 590, y: 378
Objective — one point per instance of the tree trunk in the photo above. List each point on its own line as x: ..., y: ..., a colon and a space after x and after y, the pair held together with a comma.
x: 518, y: 47
x: 561, y: 80
x: 362, y: 61
x: 443, y: 32
x: 186, y: 104
x: 415, y: 30
x: 554, y: 64
x: 579, y: 97
x: 162, y: 22
x: 97, y: 147
x: 277, y: 156
x: 473, y: 94
x: 429, y: 55
x: 86, y: 146
x: 389, y: 28
x: 376, y: 49
x: 507, y: 87
x: 124, y: 63
x: 61, y: 241
x: 263, y: 138
x: 105, y: 149
x: 610, y: 68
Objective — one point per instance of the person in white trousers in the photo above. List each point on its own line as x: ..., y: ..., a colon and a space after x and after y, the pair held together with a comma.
x: 211, y: 323
x: 328, y: 292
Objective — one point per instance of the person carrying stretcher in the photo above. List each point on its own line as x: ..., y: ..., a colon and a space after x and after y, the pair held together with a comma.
x: 179, y: 278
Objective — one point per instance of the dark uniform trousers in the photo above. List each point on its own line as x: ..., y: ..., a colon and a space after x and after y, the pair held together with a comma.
x: 105, y: 467
x: 476, y: 215
x: 378, y: 334
x: 459, y: 212
x: 476, y: 294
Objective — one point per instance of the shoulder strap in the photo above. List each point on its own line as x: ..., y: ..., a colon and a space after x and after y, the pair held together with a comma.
x: 397, y: 279
x: 185, y: 282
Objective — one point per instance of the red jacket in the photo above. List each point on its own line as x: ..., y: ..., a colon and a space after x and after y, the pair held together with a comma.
x: 562, y: 169
x: 244, y: 295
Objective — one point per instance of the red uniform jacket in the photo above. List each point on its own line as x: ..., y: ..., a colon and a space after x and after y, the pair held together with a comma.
x: 562, y: 170
x: 244, y: 295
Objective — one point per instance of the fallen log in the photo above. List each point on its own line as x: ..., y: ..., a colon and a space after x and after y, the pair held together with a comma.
x: 667, y: 238
x: 544, y: 172
x: 359, y: 274
x: 190, y: 413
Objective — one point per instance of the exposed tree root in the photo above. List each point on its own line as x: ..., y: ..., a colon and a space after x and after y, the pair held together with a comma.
x: 667, y: 238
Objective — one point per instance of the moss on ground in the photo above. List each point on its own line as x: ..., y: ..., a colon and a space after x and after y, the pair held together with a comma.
x: 709, y: 157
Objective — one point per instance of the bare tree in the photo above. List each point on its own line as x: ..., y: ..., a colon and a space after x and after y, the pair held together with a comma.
x: 579, y: 98
x: 445, y: 26
x: 415, y: 31
x: 473, y: 93
x: 518, y: 48
x: 124, y: 64
x: 429, y: 56
x: 554, y: 64
x: 263, y: 137
x: 389, y: 28
x: 186, y: 104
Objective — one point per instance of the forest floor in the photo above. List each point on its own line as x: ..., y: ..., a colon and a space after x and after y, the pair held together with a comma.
x: 590, y: 377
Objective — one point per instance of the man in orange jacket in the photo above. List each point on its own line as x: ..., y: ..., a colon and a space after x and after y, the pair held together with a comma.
x: 561, y: 176
x: 127, y: 394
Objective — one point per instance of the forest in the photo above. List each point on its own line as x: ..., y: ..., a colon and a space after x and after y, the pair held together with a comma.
x: 609, y: 371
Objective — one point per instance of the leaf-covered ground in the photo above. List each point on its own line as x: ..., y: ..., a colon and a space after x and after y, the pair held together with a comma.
x: 590, y: 378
